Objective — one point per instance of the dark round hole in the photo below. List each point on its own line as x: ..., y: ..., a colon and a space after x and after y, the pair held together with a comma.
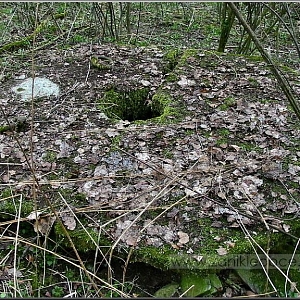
x: 128, y: 105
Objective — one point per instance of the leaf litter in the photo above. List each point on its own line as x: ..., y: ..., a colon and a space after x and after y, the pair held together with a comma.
x: 218, y: 154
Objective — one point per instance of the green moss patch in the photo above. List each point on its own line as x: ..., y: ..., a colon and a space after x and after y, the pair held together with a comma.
x: 137, y: 105
x: 128, y: 105
x: 228, y: 102
x: 10, y: 205
x: 171, y: 60
x: 196, y: 284
x: 84, y: 239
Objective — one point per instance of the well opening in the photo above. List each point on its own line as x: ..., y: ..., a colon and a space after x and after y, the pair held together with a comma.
x: 129, y: 105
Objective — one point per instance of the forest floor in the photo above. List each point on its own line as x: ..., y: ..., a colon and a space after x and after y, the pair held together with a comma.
x: 218, y: 160
x: 163, y: 163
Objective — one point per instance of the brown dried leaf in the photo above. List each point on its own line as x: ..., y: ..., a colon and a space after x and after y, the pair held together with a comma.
x: 34, y: 215
x: 286, y: 227
x: 69, y: 221
x: 183, y: 237
x: 221, y: 251
x: 43, y: 225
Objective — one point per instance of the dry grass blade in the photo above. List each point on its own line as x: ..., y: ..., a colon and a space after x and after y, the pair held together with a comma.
x: 21, y: 240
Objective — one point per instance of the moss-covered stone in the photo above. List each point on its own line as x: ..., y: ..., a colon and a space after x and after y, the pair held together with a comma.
x: 167, y: 291
x: 161, y: 101
x: 189, y: 53
x: 171, y: 60
x: 200, y: 283
x: 169, y: 108
x: 256, y: 279
x: 161, y: 258
x: 85, y: 240
x: 101, y: 63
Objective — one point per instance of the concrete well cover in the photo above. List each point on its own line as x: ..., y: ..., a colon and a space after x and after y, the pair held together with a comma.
x: 43, y: 87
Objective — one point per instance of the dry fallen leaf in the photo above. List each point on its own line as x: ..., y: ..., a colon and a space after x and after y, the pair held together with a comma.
x: 197, y: 257
x: 43, y: 225
x: 131, y: 241
x: 69, y: 221
x: 230, y: 244
x: 34, y: 215
x: 251, y: 294
x: 13, y: 271
x: 286, y: 227
x: 183, y: 237
x: 186, y: 82
x: 222, y: 251
x: 111, y: 132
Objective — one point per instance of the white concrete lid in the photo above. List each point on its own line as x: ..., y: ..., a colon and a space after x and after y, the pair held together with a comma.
x: 43, y: 87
